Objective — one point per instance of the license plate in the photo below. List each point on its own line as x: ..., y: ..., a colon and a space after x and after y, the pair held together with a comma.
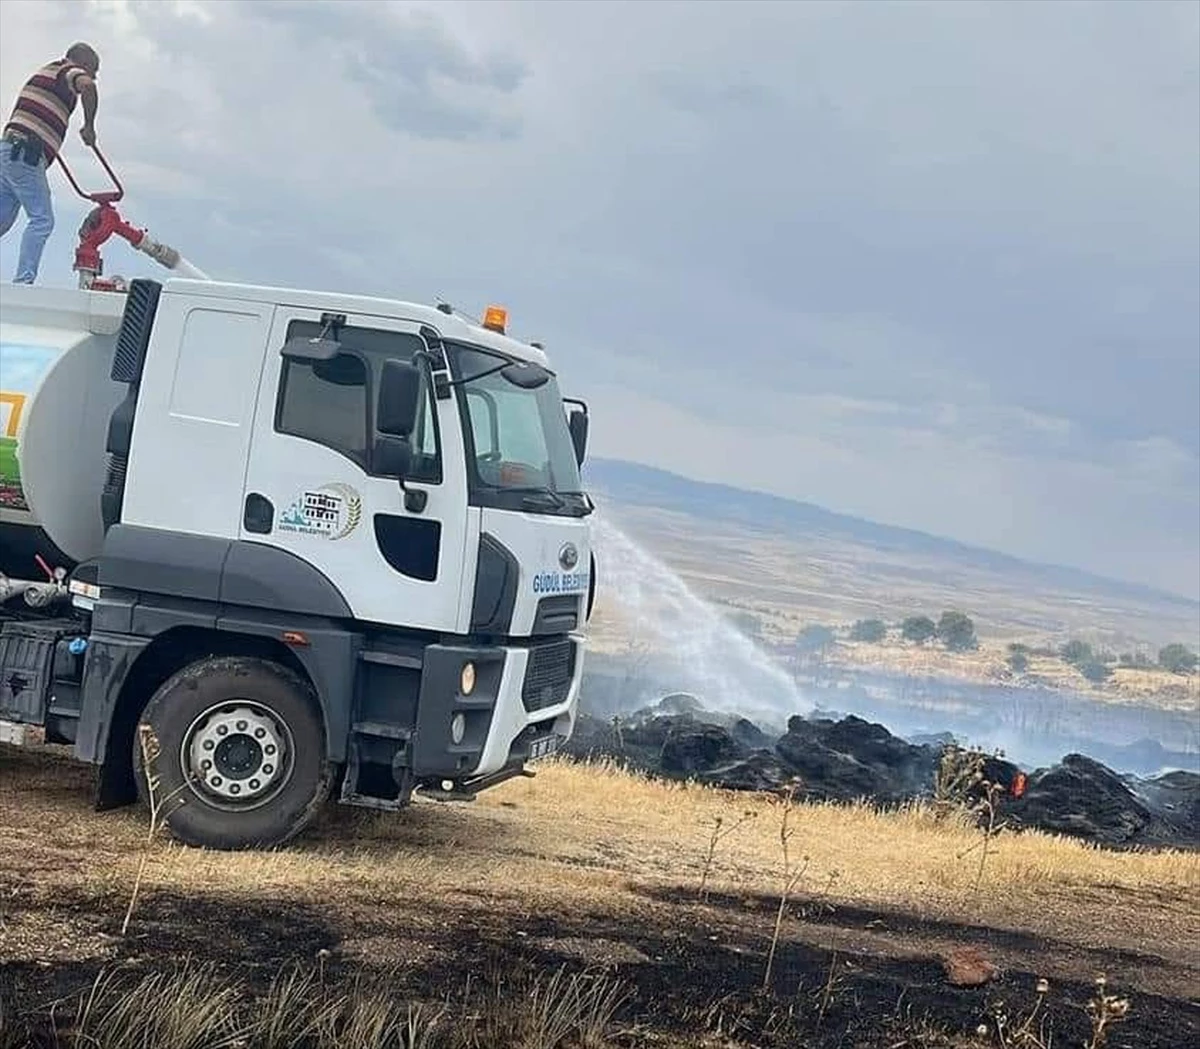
x: 543, y: 748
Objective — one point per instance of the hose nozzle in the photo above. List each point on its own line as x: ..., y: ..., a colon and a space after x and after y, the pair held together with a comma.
x: 159, y: 252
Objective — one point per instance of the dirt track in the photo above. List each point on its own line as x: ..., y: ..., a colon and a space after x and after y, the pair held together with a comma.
x: 439, y: 894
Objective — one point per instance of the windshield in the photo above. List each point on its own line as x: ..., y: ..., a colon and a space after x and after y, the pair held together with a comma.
x: 520, y: 454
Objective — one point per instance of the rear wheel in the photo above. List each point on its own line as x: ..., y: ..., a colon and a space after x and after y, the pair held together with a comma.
x: 241, y: 761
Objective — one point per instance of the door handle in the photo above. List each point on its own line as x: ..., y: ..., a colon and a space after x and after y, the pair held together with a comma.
x: 258, y: 514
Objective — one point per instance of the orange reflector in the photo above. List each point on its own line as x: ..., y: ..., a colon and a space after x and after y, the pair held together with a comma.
x: 294, y: 637
x: 495, y: 318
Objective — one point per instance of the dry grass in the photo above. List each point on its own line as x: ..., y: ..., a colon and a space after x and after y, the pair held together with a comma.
x: 594, y: 825
x: 1178, y: 691
x: 791, y: 582
x: 825, y: 579
x: 197, y: 1007
x: 988, y: 665
x: 593, y: 832
x: 611, y: 850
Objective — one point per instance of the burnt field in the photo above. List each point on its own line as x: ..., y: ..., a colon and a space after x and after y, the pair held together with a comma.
x: 586, y: 907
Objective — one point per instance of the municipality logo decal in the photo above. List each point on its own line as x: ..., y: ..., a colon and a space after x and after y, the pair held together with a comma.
x: 568, y: 556
x: 332, y: 511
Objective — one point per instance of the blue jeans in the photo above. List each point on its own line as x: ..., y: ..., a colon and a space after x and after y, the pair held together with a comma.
x: 24, y: 185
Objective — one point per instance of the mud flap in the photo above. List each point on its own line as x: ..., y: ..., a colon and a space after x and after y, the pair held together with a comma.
x: 115, y: 785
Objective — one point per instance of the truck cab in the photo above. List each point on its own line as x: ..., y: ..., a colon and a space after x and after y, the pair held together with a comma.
x: 340, y: 548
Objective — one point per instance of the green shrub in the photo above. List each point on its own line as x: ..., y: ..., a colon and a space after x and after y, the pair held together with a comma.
x: 918, y: 628
x: 872, y: 631
x: 956, y: 631
x: 1177, y: 658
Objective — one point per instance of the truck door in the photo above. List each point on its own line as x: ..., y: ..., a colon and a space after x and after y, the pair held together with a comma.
x: 309, y: 489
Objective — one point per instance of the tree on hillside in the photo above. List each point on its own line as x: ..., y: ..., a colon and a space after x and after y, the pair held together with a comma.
x: 1135, y: 660
x: 1076, y: 653
x: 1094, y: 671
x: 1177, y: 658
x: 956, y: 631
x: 1018, y: 657
x: 814, y: 639
x: 872, y: 631
x: 918, y: 628
x: 1018, y: 661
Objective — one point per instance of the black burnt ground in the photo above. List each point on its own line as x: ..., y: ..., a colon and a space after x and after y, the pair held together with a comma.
x: 850, y: 758
x: 689, y: 970
x: 586, y: 870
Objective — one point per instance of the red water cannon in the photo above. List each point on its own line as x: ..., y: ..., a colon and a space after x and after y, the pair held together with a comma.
x: 103, y: 222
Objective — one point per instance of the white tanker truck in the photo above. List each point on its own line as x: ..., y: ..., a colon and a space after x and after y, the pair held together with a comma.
x: 324, y: 545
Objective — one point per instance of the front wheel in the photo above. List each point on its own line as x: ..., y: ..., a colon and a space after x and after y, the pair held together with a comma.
x: 241, y: 761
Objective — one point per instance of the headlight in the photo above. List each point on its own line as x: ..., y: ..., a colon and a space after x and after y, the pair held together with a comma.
x: 466, y: 682
x: 458, y: 728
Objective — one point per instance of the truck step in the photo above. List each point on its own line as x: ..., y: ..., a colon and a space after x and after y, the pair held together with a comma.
x: 380, y: 730
x: 11, y: 732
x: 390, y: 659
x: 379, y: 778
x: 368, y: 801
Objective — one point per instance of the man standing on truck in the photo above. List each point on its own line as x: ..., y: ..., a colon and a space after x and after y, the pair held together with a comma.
x: 31, y: 140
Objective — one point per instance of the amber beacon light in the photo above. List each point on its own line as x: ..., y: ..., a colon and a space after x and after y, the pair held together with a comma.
x: 495, y: 318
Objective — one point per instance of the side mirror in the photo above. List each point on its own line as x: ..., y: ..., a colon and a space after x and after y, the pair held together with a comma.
x: 391, y: 457
x: 577, y: 423
x: 301, y: 348
x: 399, y: 397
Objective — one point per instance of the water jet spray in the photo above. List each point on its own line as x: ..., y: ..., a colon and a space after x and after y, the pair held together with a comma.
x: 104, y: 221
x: 710, y: 658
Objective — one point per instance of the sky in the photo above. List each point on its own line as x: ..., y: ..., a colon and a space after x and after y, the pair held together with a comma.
x: 935, y: 264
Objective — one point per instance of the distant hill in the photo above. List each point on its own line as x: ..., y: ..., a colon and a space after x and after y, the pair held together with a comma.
x: 637, y: 485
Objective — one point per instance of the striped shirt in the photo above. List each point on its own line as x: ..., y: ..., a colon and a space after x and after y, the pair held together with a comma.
x: 46, y: 102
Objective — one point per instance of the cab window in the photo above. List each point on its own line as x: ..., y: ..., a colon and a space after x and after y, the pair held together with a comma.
x: 332, y: 402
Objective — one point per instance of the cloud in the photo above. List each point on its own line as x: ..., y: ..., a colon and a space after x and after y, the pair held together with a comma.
x: 933, y: 263
x: 416, y: 78
x: 702, y: 97
x: 1010, y: 495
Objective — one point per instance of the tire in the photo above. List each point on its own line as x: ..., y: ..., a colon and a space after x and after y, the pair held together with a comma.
x: 251, y: 726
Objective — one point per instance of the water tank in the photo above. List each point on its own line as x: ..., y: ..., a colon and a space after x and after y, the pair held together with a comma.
x: 56, y: 399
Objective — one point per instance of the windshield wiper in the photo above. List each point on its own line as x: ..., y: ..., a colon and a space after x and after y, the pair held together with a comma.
x: 557, y: 500
x: 468, y: 379
x: 540, y: 498
x: 531, y: 493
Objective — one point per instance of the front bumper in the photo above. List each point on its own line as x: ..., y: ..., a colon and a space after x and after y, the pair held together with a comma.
x: 525, y: 696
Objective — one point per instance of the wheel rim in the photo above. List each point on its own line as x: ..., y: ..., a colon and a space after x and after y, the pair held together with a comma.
x: 237, y: 755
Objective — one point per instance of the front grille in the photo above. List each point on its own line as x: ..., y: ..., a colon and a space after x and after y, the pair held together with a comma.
x: 556, y: 615
x: 548, y: 675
